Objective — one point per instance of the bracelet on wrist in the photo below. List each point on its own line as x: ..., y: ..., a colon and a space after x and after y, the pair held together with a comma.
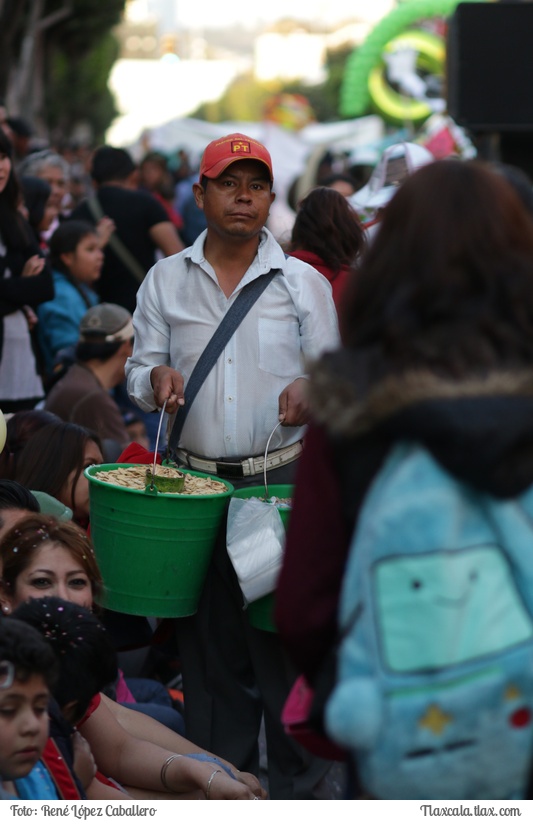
x: 164, y: 769
x: 208, y: 788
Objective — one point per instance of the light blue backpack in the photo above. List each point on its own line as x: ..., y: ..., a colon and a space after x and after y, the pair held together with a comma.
x: 434, y: 693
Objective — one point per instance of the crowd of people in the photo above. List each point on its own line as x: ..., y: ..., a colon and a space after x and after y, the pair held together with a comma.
x: 406, y: 321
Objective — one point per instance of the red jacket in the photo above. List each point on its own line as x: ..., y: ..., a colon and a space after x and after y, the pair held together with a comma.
x: 337, y: 279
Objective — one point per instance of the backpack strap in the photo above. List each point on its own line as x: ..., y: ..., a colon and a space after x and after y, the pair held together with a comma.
x: 121, y: 251
x: 248, y: 295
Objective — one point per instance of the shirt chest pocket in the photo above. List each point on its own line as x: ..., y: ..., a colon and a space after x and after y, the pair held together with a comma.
x: 279, y: 347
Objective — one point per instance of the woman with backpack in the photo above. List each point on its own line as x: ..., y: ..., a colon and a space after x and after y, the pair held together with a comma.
x: 437, y: 352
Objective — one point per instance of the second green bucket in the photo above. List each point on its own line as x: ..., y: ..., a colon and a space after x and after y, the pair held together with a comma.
x: 261, y: 612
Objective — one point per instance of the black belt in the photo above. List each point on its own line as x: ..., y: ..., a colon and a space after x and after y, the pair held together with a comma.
x: 243, y: 468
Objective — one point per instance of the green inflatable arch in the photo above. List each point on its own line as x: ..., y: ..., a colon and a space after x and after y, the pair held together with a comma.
x: 364, y: 81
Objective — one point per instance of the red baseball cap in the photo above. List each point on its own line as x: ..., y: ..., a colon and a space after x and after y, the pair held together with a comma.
x: 223, y: 151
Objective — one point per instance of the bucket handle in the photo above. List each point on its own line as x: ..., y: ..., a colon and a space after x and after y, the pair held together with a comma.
x: 151, y: 487
x: 265, y: 458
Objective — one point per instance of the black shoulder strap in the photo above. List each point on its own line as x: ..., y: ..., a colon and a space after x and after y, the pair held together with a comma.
x: 231, y: 320
x: 115, y: 243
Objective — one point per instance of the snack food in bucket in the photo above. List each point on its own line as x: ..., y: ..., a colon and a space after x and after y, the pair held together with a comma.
x: 167, y: 479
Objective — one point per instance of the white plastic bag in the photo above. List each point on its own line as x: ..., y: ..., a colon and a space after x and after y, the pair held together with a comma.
x: 255, y: 539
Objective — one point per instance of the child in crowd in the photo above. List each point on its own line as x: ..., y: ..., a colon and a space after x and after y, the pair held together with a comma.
x: 27, y: 674
x: 76, y: 259
x: 86, y: 662
x: 85, y: 654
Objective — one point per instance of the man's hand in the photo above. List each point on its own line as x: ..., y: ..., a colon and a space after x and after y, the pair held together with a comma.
x: 167, y: 384
x: 293, y: 404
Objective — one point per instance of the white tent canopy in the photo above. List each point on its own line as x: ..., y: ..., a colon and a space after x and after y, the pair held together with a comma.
x: 293, y: 152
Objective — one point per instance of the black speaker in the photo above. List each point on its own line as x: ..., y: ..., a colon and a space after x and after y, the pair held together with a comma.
x: 490, y: 66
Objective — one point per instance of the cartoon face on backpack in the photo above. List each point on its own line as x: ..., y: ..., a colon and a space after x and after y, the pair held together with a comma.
x: 466, y: 599
x: 435, y: 685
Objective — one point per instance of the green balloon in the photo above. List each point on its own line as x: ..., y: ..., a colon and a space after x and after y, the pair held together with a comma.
x: 355, y: 96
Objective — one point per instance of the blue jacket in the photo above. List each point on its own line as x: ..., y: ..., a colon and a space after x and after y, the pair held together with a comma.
x: 59, y: 319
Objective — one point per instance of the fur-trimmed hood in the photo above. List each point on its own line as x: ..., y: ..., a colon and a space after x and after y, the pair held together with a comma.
x: 480, y: 427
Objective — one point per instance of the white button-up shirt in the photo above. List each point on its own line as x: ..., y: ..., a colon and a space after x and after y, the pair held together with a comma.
x: 179, y: 307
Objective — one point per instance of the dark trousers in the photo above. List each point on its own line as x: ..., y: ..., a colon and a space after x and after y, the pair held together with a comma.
x: 234, y: 674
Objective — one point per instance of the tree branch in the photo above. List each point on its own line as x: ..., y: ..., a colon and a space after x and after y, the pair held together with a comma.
x: 55, y: 18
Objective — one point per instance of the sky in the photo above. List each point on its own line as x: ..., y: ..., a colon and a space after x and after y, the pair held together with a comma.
x: 183, y: 85
x: 217, y: 13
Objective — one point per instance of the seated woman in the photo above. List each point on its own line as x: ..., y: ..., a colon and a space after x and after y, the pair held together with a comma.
x: 53, y: 461
x: 56, y: 559
x: 20, y: 427
x: 82, y: 393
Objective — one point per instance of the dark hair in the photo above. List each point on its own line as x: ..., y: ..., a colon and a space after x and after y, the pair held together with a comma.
x: 27, y: 650
x: 19, y: 126
x: 91, y: 350
x: 519, y: 180
x: 110, y: 163
x: 327, y: 225
x: 342, y: 177
x: 19, y: 429
x: 51, y: 455
x: 85, y: 655
x: 36, y: 192
x: 448, y: 279
x: 165, y: 186
x: 155, y: 157
x: 65, y: 239
x: 16, y: 496
x: 28, y: 535
x: 15, y: 231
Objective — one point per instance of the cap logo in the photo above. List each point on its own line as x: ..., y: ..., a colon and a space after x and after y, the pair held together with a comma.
x: 240, y: 146
x: 93, y: 322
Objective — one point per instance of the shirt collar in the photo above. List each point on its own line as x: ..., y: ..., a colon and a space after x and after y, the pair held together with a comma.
x: 269, y: 256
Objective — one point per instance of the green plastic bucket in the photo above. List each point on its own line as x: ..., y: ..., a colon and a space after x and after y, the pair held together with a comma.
x: 153, y: 548
x: 261, y: 612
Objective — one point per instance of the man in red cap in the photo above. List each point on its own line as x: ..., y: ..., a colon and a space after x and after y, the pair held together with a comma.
x: 234, y: 674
